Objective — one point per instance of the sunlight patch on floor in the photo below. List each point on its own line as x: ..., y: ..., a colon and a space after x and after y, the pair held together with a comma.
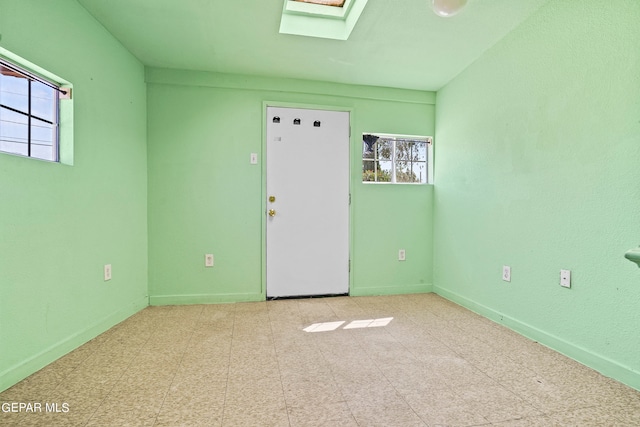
x: 356, y: 324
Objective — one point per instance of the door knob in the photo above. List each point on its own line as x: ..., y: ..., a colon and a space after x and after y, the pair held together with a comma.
x: 272, y: 212
x: 272, y: 199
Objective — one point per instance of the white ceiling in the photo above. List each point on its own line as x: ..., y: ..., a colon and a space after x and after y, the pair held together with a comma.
x: 396, y: 43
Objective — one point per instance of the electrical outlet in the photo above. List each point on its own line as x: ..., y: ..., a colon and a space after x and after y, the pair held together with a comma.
x: 402, y: 255
x: 208, y: 260
x: 107, y: 272
x: 565, y: 278
x: 506, y: 273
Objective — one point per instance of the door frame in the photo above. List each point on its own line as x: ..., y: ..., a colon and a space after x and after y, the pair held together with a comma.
x: 263, y: 192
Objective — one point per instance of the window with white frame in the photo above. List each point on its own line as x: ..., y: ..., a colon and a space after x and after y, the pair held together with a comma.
x: 395, y: 158
x: 29, y: 113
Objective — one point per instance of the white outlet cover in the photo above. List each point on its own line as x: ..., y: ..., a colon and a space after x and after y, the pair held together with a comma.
x: 107, y: 272
x: 208, y: 260
x: 565, y: 278
x: 506, y: 273
x: 402, y: 255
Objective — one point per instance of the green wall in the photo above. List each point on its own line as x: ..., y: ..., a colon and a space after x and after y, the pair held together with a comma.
x: 205, y: 196
x: 538, y: 148
x: 60, y: 224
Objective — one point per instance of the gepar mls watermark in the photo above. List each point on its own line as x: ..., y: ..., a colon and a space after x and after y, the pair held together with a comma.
x: 34, y: 407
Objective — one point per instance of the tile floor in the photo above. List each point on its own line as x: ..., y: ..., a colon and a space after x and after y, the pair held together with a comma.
x: 252, y: 364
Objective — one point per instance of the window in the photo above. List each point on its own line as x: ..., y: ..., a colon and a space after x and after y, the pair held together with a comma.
x: 29, y: 113
x: 395, y: 158
x: 336, y: 3
x: 329, y: 19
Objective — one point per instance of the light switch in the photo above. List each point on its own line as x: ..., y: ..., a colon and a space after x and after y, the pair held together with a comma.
x: 254, y: 158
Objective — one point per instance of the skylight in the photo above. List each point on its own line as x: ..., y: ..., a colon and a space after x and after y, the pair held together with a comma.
x: 330, y: 19
x: 336, y: 3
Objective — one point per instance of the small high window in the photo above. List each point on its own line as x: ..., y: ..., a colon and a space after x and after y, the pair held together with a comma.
x: 395, y: 158
x: 29, y: 113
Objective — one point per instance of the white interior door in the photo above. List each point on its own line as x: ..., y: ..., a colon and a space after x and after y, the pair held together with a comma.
x: 307, y: 202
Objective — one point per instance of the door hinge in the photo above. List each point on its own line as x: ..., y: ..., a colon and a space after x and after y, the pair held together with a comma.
x: 349, y: 199
x: 349, y: 266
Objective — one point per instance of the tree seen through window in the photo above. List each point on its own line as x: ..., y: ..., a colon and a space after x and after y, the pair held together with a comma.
x: 395, y: 159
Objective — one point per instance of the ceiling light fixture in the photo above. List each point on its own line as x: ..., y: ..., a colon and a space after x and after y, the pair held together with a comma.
x: 447, y: 8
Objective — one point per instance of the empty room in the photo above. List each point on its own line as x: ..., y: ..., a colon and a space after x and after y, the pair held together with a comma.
x: 320, y: 213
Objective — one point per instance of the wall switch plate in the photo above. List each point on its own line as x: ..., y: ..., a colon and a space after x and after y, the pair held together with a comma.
x: 208, y: 260
x: 402, y: 255
x: 506, y: 273
x: 254, y: 158
x: 565, y: 278
x: 107, y: 272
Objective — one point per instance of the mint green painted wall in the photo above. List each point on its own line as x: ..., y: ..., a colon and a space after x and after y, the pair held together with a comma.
x: 205, y: 196
x: 60, y: 224
x: 538, y: 148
